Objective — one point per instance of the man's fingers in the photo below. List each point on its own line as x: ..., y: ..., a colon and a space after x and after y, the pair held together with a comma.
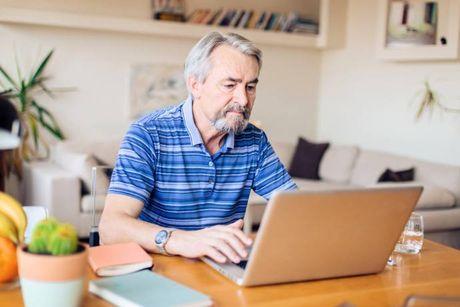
x: 237, y: 224
x: 223, y: 247
x: 215, y: 255
x: 233, y: 241
x: 238, y: 233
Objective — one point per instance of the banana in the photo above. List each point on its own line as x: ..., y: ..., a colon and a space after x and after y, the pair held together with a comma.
x: 8, y: 229
x: 13, y: 209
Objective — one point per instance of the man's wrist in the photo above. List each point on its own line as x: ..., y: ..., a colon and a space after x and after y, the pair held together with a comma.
x: 171, y: 246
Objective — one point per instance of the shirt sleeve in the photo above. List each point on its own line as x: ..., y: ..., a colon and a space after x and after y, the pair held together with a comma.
x: 270, y: 175
x: 134, y: 170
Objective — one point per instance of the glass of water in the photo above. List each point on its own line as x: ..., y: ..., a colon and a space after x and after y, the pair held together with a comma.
x: 411, y: 240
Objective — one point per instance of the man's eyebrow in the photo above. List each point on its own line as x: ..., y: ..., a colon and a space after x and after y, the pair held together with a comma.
x: 240, y: 80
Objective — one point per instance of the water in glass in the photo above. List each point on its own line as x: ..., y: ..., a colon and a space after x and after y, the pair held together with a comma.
x: 411, y: 240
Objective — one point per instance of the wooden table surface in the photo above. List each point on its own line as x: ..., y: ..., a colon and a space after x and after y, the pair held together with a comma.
x: 436, y: 271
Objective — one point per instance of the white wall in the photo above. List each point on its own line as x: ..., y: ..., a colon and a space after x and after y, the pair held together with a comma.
x: 97, y: 63
x: 366, y: 101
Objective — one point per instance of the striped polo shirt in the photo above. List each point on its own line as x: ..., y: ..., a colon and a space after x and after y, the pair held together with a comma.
x: 163, y: 162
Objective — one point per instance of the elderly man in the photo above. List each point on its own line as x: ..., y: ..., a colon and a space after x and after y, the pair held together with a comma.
x: 183, y: 174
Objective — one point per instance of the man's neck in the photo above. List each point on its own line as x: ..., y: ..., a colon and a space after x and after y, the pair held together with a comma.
x: 212, y: 138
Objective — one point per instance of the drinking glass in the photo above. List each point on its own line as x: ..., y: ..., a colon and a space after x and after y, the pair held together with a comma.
x: 411, y: 239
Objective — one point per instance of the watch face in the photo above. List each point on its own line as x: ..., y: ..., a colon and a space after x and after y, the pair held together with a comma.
x: 161, y: 237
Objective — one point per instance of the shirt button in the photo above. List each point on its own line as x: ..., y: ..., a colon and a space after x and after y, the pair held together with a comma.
x: 211, y: 164
x: 210, y: 181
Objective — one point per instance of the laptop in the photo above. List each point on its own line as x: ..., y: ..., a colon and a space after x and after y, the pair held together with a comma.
x: 317, y: 235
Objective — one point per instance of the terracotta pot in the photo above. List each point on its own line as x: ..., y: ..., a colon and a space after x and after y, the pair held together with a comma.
x: 48, y: 280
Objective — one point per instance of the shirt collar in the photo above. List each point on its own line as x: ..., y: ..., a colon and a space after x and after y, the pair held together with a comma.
x: 195, y: 136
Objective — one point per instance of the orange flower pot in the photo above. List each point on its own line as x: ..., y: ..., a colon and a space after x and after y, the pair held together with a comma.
x: 48, y: 280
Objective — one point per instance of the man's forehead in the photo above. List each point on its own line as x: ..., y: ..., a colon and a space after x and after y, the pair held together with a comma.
x: 225, y: 53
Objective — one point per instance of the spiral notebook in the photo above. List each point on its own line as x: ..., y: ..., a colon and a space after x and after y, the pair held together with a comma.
x: 146, y: 288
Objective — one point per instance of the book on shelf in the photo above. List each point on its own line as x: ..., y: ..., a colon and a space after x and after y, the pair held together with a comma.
x: 253, y: 20
x: 227, y: 18
x: 265, y: 21
x: 118, y: 259
x: 146, y: 288
x: 171, y: 10
x: 220, y: 17
x: 274, y: 17
x: 261, y: 20
x: 237, y: 18
x: 245, y: 19
x: 211, y: 17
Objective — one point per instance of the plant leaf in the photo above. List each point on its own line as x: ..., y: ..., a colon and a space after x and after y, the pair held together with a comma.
x: 34, y: 128
x: 46, y: 90
x: 7, y: 77
x: 6, y: 92
x: 47, y: 120
x: 40, y: 68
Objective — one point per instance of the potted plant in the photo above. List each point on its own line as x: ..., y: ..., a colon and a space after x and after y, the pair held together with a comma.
x: 52, y: 267
x: 24, y: 92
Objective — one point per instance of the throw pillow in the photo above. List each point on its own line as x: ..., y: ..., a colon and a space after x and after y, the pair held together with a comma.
x: 397, y: 176
x: 307, y: 157
x: 81, y: 165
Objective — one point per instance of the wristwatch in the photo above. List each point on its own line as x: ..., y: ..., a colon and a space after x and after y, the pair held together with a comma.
x: 161, y: 239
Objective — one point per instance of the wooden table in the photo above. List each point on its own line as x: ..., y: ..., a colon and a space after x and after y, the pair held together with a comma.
x: 436, y: 271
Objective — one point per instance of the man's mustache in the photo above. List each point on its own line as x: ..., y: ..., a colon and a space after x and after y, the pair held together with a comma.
x: 235, y: 107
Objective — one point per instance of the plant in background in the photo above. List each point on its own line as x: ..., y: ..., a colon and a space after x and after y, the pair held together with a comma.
x: 430, y: 101
x: 51, y: 237
x: 23, y: 92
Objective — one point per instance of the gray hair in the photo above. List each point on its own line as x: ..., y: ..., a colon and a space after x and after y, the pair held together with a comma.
x: 198, y: 64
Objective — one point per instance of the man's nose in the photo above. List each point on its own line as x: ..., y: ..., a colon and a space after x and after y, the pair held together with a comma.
x: 241, y: 96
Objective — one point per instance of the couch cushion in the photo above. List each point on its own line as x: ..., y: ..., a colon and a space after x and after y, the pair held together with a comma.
x: 80, y: 165
x: 307, y: 157
x: 433, y: 197
x: 390, y: 175
x: 370, y: 164
x: 337, y: 163
x: 440, y: 219
x: 104, y: 150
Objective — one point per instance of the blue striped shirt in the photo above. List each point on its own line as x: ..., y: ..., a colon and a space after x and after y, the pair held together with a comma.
x: 163, y: 162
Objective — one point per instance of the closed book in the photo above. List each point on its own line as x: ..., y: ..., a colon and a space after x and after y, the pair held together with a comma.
x: 146, y: 288
x: 118, y: 259
x: 245, y: 19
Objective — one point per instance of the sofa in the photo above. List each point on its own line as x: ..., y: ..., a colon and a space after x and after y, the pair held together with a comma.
x: 62, y: 184
x: 347, y: 167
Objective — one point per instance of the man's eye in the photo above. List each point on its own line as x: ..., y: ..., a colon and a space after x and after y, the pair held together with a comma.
x: 229, y: 86
x: 251, y: 88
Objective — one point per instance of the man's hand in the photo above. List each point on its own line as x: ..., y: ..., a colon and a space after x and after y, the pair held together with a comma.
x: 218, y: 243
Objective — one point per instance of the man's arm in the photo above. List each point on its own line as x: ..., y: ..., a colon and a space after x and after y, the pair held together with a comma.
x: 119, y: 223
x: 270, y: 175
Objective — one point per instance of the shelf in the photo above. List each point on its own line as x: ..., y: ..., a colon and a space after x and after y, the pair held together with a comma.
x: 150, y: 27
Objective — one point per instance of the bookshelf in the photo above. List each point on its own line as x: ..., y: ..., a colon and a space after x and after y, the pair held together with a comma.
x: 330, y: 13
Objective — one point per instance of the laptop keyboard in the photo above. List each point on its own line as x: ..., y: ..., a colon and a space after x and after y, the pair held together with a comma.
x: 242, y: 264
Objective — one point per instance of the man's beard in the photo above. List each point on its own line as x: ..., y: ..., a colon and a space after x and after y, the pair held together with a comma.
x: 237, y: 124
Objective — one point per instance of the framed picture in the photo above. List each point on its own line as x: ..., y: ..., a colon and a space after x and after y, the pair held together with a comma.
x: 412, y: 30
x: 154, y: 86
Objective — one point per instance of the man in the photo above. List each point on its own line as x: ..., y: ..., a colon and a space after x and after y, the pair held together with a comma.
x: 183, y: 174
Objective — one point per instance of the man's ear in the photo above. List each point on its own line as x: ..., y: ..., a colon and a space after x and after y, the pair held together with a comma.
x: 194, y: 86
